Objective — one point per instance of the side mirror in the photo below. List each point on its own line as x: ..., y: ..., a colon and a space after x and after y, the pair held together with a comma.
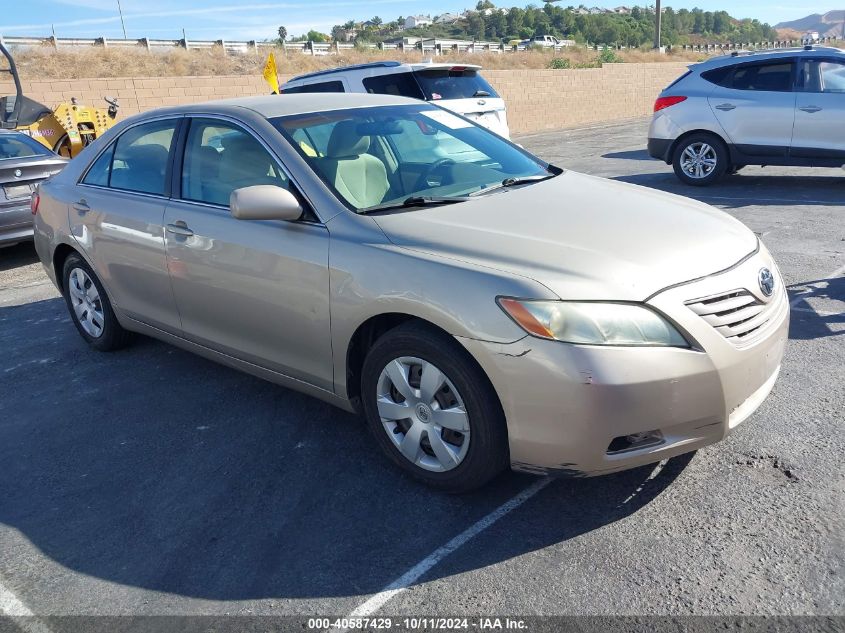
x: 264, y: 202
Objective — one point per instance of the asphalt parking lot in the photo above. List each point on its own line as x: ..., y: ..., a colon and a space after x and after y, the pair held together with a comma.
x: 150, y: 481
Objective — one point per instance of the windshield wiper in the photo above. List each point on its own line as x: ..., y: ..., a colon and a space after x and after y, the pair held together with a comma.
x: 481, y: 93
x: 414, y: 201
x: 512, y: 182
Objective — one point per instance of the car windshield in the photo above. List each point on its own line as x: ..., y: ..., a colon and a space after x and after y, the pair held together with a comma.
x: 20, y: 146
x: 453, y: 83
x: 378, y: 157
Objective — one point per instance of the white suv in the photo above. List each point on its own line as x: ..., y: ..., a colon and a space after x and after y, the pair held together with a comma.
x: 780, y: 107
x: 456, y: 87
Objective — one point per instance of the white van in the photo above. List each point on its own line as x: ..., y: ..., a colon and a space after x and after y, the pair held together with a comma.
x: 456, y: 87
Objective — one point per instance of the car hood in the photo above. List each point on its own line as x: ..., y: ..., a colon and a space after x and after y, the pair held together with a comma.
x: 582, y: 237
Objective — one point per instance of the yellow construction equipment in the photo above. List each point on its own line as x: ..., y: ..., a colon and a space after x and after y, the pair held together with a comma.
x: 65, y: 130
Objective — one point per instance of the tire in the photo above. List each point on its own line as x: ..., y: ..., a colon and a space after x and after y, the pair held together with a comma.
x: 706, y: 147
x: 475, y: 455
x: 89, y: 307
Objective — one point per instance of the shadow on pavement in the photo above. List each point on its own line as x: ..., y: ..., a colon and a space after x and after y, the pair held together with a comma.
x: 154, y: 468
x: 811, y: 323
x: 636, y: 154
x: 744, y: 189
x: 17, y: 255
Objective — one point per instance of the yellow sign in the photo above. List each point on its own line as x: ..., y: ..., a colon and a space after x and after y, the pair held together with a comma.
x: 270, y: 75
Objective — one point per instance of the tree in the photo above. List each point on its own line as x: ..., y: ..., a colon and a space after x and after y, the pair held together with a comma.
x: 375, y: 21
x: 283, y: 34
x: 349, y: 25
x: 338, y: 33
x: 475, y: 26
x: 315, y: 36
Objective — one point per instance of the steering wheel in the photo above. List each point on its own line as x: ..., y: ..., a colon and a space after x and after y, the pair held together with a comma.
x: 425, y: 180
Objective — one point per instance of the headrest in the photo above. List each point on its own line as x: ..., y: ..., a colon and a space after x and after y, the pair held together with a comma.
x: 150, y: 155
x: 346, y: 142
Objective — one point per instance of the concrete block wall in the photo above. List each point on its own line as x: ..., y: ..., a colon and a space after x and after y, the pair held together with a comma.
x: 537, y: 99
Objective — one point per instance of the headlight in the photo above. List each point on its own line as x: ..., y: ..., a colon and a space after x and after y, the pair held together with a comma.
x: 593, y: 323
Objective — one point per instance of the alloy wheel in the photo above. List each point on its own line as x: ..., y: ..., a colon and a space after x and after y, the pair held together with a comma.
x: 698, y: 160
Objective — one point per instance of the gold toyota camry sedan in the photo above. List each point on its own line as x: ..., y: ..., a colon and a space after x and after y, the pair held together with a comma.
x: 478, y: 306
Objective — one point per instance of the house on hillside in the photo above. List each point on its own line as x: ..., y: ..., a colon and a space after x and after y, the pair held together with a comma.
x: 447, y: 18
x: 414, y: 21
x: 622, y: 10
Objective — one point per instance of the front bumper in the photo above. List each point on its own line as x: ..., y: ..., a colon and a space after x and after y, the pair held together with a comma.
x: 15, y: 222
x: 565, y: 404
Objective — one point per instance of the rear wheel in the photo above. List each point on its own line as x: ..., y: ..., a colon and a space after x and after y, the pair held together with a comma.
x: 90, y: 308
x: 432, y: 410
x: 700, y: 160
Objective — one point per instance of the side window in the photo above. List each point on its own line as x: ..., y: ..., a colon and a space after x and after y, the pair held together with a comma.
x: 399, y: 84
x: 775, y: 77
x: 323, y: 86
x: 719, y: 76
x: 140, y: 158
x: 314, y: 141
x: 221, y: 157
x: 100, y: 171
x: 832, y: 76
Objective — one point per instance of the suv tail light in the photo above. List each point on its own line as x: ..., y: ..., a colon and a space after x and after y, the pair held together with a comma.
x: 665, y: 102
x: 34, y: 201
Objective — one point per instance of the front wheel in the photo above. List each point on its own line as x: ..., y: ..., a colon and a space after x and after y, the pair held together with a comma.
x: 700, y: 160
x: 432, y: 410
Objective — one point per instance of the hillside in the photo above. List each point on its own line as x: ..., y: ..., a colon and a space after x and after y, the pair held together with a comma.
x: 829, y: 24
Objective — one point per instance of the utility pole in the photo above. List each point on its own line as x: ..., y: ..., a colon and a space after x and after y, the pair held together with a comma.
x: 122, y: 24
x: 658, y: 19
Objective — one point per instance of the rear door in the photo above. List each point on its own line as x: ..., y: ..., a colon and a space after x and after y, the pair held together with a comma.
x: 820, y: 110
x: 755, y: 105
x: 116, y: 216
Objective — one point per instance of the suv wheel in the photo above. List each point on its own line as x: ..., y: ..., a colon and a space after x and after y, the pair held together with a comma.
x: 700, y: 160
x: 89, y: 307
x: 432, y: 410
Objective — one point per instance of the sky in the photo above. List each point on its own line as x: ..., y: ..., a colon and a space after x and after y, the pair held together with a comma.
x: 259, y: 19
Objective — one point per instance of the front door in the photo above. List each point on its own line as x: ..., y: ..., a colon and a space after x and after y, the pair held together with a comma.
x: 116, y: 216
x: 255, y: 290
x: 820, y: 111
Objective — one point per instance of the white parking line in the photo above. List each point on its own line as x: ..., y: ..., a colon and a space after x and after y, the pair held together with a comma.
x: 10, y: 606
x: 412, y: 575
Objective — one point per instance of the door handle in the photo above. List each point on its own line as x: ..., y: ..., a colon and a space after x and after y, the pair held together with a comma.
x: 81, y: 206
x: 179, y: 229
x: 810, y: 109
x: 725, y: 107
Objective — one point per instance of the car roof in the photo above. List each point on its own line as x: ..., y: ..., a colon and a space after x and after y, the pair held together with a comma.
x: 389, y: 66
x: 270, y: 106
x: 739, y: 57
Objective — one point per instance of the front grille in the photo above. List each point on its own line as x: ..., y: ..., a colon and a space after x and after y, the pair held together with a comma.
x: 738, y: 315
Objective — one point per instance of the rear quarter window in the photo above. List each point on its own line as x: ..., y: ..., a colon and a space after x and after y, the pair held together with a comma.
x: 323, y: 86
x: 719, y: 76
x: 399, y: 84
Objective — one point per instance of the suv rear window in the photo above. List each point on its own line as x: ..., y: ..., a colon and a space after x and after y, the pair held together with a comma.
x: 451, y: 83
x: 399, y: 84
x: 323, y: 86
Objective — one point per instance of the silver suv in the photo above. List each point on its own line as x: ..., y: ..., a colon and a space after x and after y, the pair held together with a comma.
x: 783, y: 107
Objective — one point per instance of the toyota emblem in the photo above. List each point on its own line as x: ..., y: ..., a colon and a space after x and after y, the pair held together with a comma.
x: 767, y: 281
x: 18, y: 173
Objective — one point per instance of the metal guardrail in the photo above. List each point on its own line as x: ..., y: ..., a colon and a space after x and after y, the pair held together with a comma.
x: 434, y: 46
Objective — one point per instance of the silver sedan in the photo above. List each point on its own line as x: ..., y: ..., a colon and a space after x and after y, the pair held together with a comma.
x: 478, y: 306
